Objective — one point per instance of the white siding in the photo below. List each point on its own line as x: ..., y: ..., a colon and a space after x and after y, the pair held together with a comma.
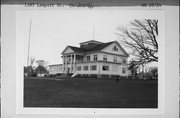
x: 54, y: 69
x: 109, y: 49
x: 89, y: 71
x: 110, y: 57
x: 91, y: 56
x: 100, y: 55
x: 114, y: 69
x: 68, y: 50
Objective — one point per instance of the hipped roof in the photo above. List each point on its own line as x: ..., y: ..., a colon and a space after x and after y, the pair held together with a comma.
x: 99, y: 47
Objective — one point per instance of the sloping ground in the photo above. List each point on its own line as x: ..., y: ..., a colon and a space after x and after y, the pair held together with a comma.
x: 90, y: 93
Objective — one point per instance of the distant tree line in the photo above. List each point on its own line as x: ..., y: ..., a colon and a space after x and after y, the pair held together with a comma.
x: 32, y: 71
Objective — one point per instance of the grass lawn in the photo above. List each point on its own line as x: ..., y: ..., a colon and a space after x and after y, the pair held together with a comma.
x: 90, y: 93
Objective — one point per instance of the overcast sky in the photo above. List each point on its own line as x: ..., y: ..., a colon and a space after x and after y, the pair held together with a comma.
x: 52, y: 31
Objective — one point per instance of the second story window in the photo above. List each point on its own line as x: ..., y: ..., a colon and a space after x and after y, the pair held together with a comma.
x: 68, y: 60
x: 104, y: 57
x: 124, y: 60
x: 88, y: 58
x: 115, y: 59
x: 95, y: 57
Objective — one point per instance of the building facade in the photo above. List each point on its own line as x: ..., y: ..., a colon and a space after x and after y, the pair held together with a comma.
x: 55, y: 69
x: 95, y: 58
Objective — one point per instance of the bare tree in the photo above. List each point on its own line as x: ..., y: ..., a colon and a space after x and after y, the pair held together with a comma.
x: 141, y: 38
x: 32, y: 60
x: 29, y: 69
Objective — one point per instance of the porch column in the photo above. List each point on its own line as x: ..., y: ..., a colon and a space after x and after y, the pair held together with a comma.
x: 89, y: 70
x: 99, y: 69
x: 71, y: 64
x: 66, y: 64
x: 63, y: 64
x: 65, y: 60
x: 74, y: 68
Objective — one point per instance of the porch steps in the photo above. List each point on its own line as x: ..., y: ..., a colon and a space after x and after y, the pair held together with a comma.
x: 75, y: 74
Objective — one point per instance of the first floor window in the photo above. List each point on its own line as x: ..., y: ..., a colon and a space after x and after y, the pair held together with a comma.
x: 78, y: 68
x: 123, y: 70
x: 85, y: 68
x: 124, y: 60
x: 93, y: 67
x: 105, y: 68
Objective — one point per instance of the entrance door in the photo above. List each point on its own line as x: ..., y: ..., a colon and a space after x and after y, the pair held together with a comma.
x: 68, y: 70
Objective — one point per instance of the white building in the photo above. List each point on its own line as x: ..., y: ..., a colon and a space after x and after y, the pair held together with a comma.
x: 95, y: 58
x: 55, y: 69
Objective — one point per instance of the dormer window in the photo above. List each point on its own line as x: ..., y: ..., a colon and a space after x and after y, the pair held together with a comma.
x: 115, y: 48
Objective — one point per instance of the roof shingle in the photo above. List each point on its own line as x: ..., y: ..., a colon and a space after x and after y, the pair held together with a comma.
x: 97, y: 48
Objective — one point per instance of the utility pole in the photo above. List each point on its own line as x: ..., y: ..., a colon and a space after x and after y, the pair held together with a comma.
x: 29, y: 47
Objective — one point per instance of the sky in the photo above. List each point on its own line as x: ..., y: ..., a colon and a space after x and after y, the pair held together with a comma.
x: 53, y: 30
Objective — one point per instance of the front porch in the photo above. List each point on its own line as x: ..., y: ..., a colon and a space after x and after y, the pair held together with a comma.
x: 69, y: 62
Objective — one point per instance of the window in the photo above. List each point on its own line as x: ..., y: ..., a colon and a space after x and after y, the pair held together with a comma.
x: 95, y: 57
x: 123, y: 70
x: 93, y: 67
x: 88, y: 58
x: 115, y: 59
x: 78, y: 68
x: 124, y: 60
x: 85, y: 68
x: 115, y: 48
x: 68, y: 60
x: 104, y: 57
x: 105, y: 68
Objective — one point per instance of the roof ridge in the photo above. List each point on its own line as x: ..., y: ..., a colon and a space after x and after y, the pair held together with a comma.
x: 73, y: 46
